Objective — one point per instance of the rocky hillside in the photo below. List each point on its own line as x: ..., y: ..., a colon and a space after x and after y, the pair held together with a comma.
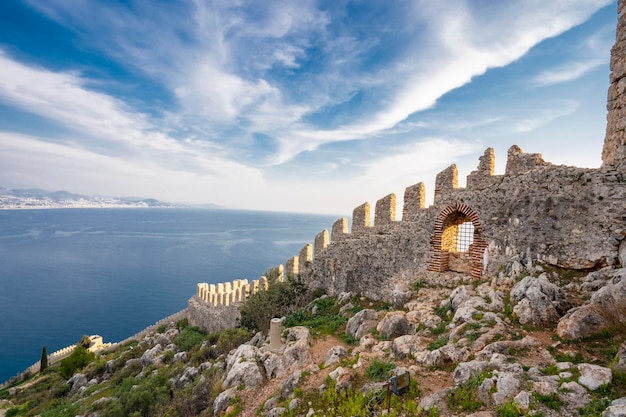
x: 540, y: 342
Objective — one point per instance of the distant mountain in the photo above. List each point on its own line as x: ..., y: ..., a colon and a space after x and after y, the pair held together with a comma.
x: 37, y: 198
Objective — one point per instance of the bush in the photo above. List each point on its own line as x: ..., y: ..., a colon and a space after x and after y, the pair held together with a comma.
x: 380, y: 370
x: 76, y: 361
x: 280, y: 299
x: 509, y: 409
x: 231, y: 338
x: 190, y: 337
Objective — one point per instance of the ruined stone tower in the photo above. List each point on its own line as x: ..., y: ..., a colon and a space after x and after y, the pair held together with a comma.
x: 614, y: 151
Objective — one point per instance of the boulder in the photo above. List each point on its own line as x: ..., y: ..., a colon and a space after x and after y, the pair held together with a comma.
x: 151, y: 356
x: 189, y: 375
x: 407, y: 345
x: 76, y: 382
x: 574, y: 395
x: 594, y: 376
x: 507, y: 387
x: 335, y: 354
x: 393, y: 325
x: 606, y: 310
x: 459, y: 295
x: 242, y: 368
x: 361, y: 323
x: 223, y: 400
x: 538, y: 301
x: 289, y: 385
x: 616, y: 409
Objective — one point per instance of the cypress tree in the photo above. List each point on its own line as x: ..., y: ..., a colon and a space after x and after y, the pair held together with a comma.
x: 43, y: 362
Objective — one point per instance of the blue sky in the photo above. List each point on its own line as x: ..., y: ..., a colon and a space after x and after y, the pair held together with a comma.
x: 293, y: 106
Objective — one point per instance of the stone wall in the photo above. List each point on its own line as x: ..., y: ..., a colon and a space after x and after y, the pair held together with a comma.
x: 536, y: 212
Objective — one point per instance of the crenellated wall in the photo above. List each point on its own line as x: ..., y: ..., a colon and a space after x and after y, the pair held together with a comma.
x: 536, y: 212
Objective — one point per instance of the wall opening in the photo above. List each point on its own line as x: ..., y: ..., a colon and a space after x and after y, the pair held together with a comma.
x: 456, y: 244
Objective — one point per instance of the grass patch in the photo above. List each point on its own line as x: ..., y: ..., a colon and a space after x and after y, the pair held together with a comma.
x: 380, y: 370
x: 552, y: 401
x: 444, y: 312
x: 509, y: 409
x: 464, y: 398
x: 594, y: 408
x: 327, y: 319
x: 440, y: 342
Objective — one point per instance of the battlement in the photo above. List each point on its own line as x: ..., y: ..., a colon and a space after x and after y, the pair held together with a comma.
x: 227, y: 293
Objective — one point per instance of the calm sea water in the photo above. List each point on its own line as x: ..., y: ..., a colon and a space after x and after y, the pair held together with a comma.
x: 66, y: 273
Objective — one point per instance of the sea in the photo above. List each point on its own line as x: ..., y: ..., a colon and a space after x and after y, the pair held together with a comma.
x: 65, y: 273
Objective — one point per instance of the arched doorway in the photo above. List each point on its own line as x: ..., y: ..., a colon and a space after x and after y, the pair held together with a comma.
x: 456, y: 242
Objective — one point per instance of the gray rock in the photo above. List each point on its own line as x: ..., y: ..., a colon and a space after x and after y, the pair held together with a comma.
x: 438, y: 399
x: 134, y: 364
x: 270, y: 403
x: 594, y: 376
x: 508, y: 386
x: 242, y: 368
x: 465, y: 370
x: 223, y: 399
x: 459, y: 296
x: 393, y: 325
x: 276, y: 412
x: 76, y: 382
x: 180, y: 357
x: 605, y: 310
x: 150, y: 356
x: 189, y: 375
x: 408, y: 345
x: 522, y: 399
x: 538, y: 301
x: 335, y: 355
x: 293, y: 404
x: 294, y: 356
x: 361, y: 323
x: 616, y: 409
x: 289, y: 385
x: 574, y: 395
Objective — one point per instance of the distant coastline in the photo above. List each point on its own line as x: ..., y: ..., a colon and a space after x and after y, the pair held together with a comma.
x: 24, y: 199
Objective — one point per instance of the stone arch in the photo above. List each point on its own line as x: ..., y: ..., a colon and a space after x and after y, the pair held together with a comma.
x: 456, y: 243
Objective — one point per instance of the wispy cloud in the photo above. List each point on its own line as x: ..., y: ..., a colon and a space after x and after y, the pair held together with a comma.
x: 253, y: 87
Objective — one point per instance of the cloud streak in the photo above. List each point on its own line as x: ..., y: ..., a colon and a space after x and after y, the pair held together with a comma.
x: 251, y: 87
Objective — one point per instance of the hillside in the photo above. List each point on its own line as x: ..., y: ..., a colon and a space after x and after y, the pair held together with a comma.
x: 470, y: 347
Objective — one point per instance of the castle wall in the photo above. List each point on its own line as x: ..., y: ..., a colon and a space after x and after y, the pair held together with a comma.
x: 537, y: 212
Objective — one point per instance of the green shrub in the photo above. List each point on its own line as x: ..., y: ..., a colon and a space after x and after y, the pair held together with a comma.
x: 280, y: 299
x: 440, y: 342
x: 594, y: 408
x: 417, y: 285
x: 552, y: 401
x: 76, y: 361
x: 444, y: 312
x: 464, y: 398
x: 509, y: 409
x: 231, y: 338
x: 190, y: 337
x: 379, y: 370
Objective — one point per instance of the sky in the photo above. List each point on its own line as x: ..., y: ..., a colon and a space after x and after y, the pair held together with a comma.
x: 302, y: 106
